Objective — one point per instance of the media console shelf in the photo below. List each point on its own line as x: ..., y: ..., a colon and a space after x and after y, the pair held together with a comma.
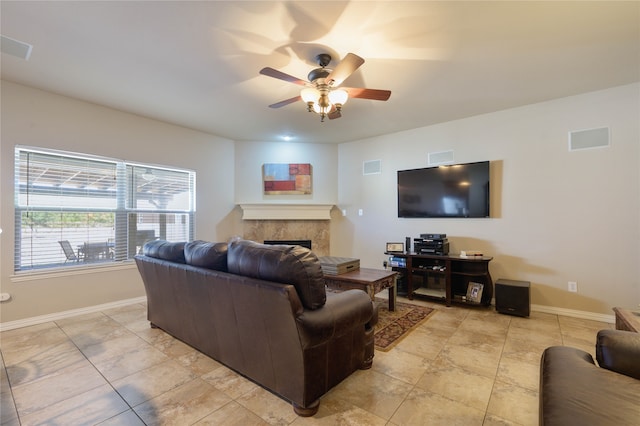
x: 445, y: 277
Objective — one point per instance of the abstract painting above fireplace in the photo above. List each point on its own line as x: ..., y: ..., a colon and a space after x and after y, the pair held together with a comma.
x: 286, y: 179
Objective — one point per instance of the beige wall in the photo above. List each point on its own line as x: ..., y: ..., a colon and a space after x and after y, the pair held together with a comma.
x: 250, y: 156
x: 36, y: 118
x: 557, y: 216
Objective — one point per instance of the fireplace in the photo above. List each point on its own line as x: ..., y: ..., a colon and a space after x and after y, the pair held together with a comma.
x: 288, y: 222
x: 303, y: 243
x: 315, y: 231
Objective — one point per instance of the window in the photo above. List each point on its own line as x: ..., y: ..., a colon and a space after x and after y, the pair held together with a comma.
x: 75, y: 209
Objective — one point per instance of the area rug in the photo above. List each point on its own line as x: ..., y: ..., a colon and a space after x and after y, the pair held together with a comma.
x: 392, y: 327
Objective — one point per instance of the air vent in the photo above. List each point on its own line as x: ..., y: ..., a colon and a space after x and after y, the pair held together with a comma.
x: 442, y: 157
x: 372, y: 167
x: 15, y: 47
x: 589, y: 139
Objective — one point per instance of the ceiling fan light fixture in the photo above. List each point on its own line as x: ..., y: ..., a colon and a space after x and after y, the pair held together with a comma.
x: 323, y: 106
x: 310, y: 94
x: 338, y: 97
x: 320, y: 109
x: 321, y: 92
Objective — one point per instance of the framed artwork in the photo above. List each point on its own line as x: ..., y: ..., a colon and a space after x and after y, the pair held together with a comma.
x: 474, y: 292
x: 286, y: 178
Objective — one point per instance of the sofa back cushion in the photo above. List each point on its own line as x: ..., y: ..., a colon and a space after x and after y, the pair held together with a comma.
x: 294, y: 265
x: 206, y: 255
x: 165, y: 250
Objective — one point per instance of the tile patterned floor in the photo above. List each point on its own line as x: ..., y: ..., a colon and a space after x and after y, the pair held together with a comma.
x: 464, y: 366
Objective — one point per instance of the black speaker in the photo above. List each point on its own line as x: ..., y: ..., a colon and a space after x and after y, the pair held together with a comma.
x: 407, y: 245
x: 513, y: 297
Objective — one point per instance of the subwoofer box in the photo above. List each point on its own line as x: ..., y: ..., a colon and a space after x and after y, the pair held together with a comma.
x: 513, y: 297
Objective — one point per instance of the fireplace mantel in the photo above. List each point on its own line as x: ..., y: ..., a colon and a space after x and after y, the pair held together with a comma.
x: 286, y: 211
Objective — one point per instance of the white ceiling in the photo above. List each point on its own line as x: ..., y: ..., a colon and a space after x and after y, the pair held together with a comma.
x: 196, y: 64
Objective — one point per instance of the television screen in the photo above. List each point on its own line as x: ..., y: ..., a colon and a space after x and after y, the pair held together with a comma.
x: 459, y: 190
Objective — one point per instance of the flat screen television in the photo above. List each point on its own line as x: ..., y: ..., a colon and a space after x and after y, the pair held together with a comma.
x: 458, y: 190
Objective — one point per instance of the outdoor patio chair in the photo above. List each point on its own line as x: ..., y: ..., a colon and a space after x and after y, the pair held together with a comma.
x: 68, y: 251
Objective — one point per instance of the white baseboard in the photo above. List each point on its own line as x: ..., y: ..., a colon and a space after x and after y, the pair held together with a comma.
x: 610, y: 319
x: 11, y: 325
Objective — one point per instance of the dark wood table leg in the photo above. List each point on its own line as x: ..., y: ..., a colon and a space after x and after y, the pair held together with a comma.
x: 392, y: 295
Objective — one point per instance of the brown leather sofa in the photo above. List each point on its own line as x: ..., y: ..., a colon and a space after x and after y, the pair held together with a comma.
x: 574, y: 391
x: 261, y: 310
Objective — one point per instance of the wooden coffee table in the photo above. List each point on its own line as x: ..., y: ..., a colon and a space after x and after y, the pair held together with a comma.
x: 627, y: 320
x: 372, y: 281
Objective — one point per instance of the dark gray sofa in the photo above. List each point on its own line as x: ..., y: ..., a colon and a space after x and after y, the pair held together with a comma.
x: 576, y: 391
x: 261, y: 310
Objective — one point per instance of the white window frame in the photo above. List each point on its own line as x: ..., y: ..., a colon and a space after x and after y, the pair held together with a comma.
x: 168, y: 198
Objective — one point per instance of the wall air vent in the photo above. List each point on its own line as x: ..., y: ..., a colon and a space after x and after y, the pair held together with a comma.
x: 372, y: 167
x: 438, y: 158
x: 15, y: 47
x: 588, y: 139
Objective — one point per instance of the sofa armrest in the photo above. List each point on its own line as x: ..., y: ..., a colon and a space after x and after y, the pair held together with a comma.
x: 575, y: 391
x: 342, y: 312
x: 619, y: 351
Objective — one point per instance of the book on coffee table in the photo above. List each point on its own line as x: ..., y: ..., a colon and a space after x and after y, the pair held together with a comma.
x: 332, y: 265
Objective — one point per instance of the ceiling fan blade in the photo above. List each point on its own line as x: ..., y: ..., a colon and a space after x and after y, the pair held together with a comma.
x: 285, y: 102
x: 344, y: 69
x: 270, y: 72
x: 374, y: 94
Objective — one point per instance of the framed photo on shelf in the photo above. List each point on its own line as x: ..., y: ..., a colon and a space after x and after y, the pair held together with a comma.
x: 474, y: 292
x: 395, y: 248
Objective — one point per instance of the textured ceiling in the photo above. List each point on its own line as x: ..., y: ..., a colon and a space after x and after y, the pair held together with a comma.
x: 196, y: 64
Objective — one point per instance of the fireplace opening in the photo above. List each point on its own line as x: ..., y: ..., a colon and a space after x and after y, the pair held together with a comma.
x: 303, y: 243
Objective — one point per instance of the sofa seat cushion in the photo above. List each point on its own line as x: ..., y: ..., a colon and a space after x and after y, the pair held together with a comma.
x: 165, y: 250
x: 286, y: 264
x: 206, y: 255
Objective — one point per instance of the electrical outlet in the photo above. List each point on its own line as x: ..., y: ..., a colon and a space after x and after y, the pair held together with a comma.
x: 573, y: 286
x: 360, y: 212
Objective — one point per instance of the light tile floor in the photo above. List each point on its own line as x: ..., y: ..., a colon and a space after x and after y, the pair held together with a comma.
x: 464, y: 366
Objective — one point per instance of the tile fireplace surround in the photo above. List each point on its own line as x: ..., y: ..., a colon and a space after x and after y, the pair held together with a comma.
x: 288, y: 222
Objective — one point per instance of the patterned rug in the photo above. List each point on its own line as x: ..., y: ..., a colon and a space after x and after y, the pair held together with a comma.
x: 392, y: 327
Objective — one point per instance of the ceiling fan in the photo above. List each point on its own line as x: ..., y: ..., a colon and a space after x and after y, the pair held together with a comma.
x: 321, y: 92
